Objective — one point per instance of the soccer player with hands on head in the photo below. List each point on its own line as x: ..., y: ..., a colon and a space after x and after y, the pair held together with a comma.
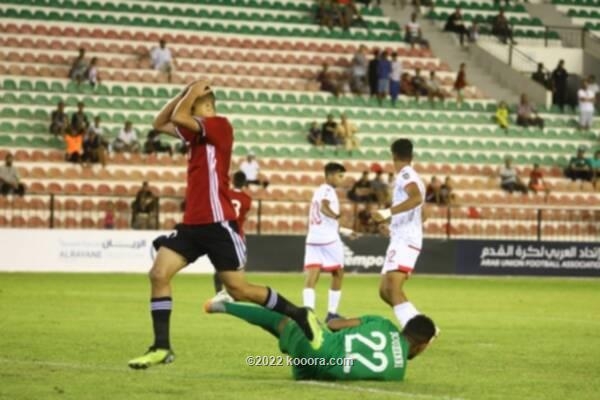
x: 209, y: 223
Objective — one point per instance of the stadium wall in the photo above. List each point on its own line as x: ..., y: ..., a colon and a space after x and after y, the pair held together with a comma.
x: 36, y: 250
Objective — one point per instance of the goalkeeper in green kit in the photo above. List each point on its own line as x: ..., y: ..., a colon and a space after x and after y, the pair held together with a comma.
x: 369, y: 347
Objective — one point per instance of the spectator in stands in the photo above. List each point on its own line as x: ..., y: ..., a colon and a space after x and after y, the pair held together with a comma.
x: 326, y: 13
x: 501, y: 28
x: 98, y: 130
x: 559, y: 85
x: 586, y: 98
x: 395, y: 75
x: 447, y: 195
x: 109, y: 216
x: 432, y: 193
x: 596, y: 167
x: 127, y: 140
x: 373, y: 73
x: 361, y: 191
x: 360, y: 65
x: 527, y: 115
x: 419, y: 84
x: 413, y: 32
x: 92, y: 75
x: 536, y: 180
x: 346, y: 132
x: 364, y: 223
x: 474, y: 32
x: 79, y: 120
x: 381, y: 190
x: 327, y: 82
x: 541, y: 76
x: 406, y: 86
x: 144, y: 209
x: 73, y: 145
x: 384, y: 68
x: 153, y: 144
x: 251, y: 169
x: 9, y: 178
x: 594, y: 88
x: 328, y: 131
x: 162, y: 59
x: 502, y: 116
x: 434, y: 89
x: 580, y: 167
x: 314, y: 135
x: 456, y: 24
x: 78, y: 67
x: 59, y: 120
x: 509, y: 178
x: 346, y: 10
x: 93, y: 148
x: 461, y: 83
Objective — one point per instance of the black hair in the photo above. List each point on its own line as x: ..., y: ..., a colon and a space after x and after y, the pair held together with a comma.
x: 334, y: 168
x: 420, y: 329
x: 239, y: 179
x: 402, y: 149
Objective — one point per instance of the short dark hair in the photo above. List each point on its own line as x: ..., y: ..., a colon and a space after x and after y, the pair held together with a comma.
x: 420, y: 329
x: 402, y: 149
x: 334, y: 168
x: 239, y: 179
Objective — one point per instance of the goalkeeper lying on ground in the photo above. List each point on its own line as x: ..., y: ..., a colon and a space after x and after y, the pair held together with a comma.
x: 369, y: 347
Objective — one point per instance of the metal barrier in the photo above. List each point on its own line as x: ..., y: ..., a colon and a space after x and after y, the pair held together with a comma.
x: 464, y: 221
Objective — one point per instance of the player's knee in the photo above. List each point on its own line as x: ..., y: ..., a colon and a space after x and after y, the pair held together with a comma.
x: 237, y: 291
x: 158, y: 276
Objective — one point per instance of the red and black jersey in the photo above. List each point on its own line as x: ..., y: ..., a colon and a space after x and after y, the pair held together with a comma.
x: 242, y: 203
x: 209, y: 156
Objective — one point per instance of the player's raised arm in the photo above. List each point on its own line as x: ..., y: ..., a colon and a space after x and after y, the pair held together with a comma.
x: 415, y: 199
x: 162, y: 121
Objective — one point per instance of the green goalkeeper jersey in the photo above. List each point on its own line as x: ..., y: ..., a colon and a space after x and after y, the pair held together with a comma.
x: 373, y: 350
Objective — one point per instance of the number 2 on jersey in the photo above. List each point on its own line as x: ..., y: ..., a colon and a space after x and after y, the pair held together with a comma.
x: 376, y: 361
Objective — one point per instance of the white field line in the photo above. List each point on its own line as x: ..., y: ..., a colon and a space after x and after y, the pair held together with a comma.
x: 162, y: 371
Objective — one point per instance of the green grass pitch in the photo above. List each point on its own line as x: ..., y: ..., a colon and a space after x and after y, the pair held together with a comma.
x: 69, y: 336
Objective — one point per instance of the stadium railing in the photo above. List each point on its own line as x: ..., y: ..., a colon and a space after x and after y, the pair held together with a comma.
x: 552, y: 222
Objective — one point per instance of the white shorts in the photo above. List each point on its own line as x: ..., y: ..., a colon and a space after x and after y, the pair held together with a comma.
x: 400, y: 256
x: 585, y: 118
x: 326, y: 256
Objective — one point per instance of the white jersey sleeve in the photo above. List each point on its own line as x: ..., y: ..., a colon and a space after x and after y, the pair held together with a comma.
x: 321, y: 228
x: 407, y: 225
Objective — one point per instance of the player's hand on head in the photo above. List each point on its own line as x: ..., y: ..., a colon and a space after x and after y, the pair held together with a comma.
x: 200, y: 87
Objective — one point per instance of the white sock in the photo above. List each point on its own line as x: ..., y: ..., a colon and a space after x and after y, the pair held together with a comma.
x: 334, y: 300
x: 404, y: 312
x: 308, y: 296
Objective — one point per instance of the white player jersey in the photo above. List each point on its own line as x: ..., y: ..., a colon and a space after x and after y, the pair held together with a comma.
x: 321, y: 228
x: 407, y: 225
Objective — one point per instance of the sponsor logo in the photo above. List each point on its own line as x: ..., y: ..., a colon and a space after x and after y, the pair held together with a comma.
x: 365, y: 261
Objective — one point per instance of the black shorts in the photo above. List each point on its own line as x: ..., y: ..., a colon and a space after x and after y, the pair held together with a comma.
x: 221, y: 241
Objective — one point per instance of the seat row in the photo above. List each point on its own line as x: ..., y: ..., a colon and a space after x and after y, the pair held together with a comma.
x: 259, y: 28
